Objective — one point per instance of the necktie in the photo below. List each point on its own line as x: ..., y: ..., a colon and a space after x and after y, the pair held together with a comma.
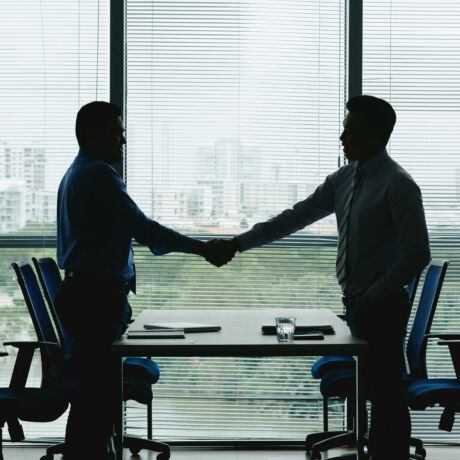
x: 343, y: 230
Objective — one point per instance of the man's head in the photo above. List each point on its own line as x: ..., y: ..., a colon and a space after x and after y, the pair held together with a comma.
x: 367, y: 127
x: 99, y: 129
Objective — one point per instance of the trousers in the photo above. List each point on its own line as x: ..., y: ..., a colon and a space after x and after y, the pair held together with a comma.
x: 384, y: 325
x: 95, y: 313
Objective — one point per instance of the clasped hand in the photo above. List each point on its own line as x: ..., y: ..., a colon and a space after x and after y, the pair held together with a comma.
x: 219, y: 251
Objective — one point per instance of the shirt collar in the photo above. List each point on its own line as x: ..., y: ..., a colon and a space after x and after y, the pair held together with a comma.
x: 374, y: 163
x: 83, y: 153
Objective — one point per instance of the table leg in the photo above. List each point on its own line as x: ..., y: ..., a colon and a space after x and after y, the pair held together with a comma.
x: 118, y: 404
x: 360, y: 406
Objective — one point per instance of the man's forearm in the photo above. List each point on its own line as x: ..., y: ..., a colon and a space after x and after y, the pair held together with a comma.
x: 198, y: 248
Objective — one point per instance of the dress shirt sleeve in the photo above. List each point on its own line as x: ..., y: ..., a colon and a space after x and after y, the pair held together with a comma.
x: 123, y: 213
x: 318, y: 205
x: 404, y: 201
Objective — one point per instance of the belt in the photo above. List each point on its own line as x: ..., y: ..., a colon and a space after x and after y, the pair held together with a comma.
x: 349, y: 301
x: 121, y: 284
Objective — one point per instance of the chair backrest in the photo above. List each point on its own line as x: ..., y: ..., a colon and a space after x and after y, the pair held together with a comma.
x: 50, y: 280
x: 416, y: 345
x: 38, y: 312
x: 412, y: 289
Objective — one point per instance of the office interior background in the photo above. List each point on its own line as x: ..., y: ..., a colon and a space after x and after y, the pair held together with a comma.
x: 233, y: 110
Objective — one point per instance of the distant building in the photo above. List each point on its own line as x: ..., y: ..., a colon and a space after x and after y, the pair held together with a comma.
x: 23, y: 198
x: 262, y: 199
x: 40, y: 206
x: 171, y: 205
x: 25, y: 164
x: 12, y: 197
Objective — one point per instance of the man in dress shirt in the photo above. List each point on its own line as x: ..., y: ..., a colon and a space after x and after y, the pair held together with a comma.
x: 96, y: 222
x: 383, y: 245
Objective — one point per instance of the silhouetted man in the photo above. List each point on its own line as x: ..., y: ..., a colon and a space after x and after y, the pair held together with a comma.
x: 96, y: 223
x: 383, y: 244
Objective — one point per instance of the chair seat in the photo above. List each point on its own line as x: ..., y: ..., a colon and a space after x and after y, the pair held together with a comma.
x: 141, y: 367
x: 341, y: 383
x: 338, y: 383
x: 326, y: 364
x: 32, y: 404
x: 427, y: 392
x: 137, y: 389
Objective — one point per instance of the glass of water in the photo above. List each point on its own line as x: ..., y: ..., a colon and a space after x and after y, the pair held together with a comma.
x: 285, y: 327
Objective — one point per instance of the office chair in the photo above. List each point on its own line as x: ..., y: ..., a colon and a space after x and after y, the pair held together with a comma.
x: 427, y: 392
x: 136, y: 385
x: 50, y: 280
x: 342, y: 383
x: 17, y: 402
x: 326, y: 364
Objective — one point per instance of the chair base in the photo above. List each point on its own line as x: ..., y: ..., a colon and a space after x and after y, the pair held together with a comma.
x: 320, y: 442
x: 345, y: 438
x: 314, y: 438
x: 134, y: 444
x: 354, y: 456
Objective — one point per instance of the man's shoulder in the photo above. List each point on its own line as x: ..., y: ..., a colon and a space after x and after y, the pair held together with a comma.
x: 399, y: 179
x: 398, y: 173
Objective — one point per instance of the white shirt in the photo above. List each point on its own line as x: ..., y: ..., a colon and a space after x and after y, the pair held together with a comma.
x: 387, y: 236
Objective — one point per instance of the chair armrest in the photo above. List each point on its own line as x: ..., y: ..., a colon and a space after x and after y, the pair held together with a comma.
x: 30, y: 344
x: 3, y: 353
x: 454, y: 349
x: 443, y: 336
x: 24, y: 360
x: 449, y: 342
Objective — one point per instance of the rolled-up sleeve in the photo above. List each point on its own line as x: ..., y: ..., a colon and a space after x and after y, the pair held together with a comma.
x: 405, y: 203
x: 318, y: 205
x: 121, y: 211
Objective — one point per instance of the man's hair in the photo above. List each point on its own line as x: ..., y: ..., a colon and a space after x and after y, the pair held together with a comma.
x: 377, y: 115
x: 94, y: 117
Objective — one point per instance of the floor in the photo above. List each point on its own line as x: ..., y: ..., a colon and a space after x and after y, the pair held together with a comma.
x: 182, y: 453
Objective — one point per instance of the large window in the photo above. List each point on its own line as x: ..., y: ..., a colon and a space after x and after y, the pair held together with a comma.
x: 233, y: 113
x: 54, y: 58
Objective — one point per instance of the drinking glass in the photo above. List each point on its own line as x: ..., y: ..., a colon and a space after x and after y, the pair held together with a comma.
x: 285, y: 327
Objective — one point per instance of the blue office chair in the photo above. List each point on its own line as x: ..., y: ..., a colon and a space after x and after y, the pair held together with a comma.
x: 426, y: 392
x: 136, y: 385
x: 50, y: 280
x: 326, y: 364
x: 17, y: 402
x: 342, y: 383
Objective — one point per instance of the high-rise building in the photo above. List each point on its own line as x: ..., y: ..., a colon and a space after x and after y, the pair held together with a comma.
x: 23, y: 198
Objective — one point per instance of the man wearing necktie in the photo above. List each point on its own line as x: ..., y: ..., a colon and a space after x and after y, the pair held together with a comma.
x: 96, y: 223
x: 383, y: 244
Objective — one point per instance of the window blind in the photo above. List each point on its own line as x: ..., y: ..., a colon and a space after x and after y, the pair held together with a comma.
x: 233, y: 114
x: 410, y: 58
x: 54, y: 57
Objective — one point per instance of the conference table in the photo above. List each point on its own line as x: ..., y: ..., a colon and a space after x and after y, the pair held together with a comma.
x: 240, y: 336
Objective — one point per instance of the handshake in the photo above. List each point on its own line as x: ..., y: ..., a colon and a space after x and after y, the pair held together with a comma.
x: 218, y: 251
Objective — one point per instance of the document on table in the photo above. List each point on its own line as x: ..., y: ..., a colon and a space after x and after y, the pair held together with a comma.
x: 157, y: 334
x: 187, y: 327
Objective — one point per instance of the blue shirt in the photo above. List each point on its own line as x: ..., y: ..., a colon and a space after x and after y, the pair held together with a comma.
x: 97, y: 220
x: 387, y: 236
